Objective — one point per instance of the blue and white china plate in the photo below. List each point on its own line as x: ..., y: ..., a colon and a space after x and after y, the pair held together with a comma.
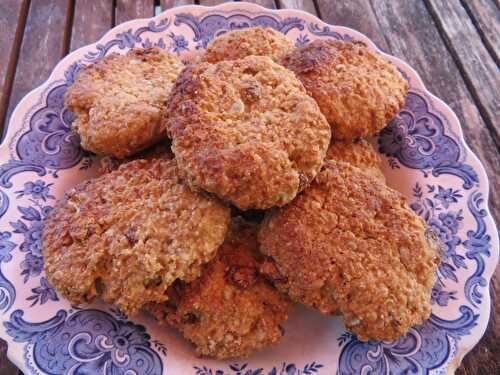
x: 425, y: 157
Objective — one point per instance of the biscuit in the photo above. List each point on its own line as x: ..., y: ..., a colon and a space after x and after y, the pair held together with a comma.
x: 158, y: 151
x: 359, y: 153
x: 231, y: 310
x: 128, y: 234
x: 258, y: 41
x: 350, y: 244
x: 357, y: 90
x: 118, y: 101
x: 247, y: 131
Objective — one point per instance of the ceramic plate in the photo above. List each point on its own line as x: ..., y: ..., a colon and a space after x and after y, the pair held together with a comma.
x: 425, y: 157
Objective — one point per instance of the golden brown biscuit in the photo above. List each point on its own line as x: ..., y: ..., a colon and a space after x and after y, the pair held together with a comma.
x: 360, y: 153
x: 158, y: 151
x: 258, y: 41
x: 231, y: 310
x: 247, y: 131
x: 349, y: 243
x: 129, y: 234
x: 357, y: 90
x: 118, y: 101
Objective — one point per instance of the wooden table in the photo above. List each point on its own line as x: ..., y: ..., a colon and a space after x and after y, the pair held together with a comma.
x: 453, y: 45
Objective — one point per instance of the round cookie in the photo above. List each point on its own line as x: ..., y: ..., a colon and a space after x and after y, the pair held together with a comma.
x: 231, y: 310
x: 258, y: 41
x: 118, y: 100
x: 128, y: 234
x: 247, y: 131
x: 350, y: 244
x: 360, y: 153
x: 357, y: 90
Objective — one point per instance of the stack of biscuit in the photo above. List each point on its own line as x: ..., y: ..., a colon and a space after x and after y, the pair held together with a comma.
x: 254, y: 126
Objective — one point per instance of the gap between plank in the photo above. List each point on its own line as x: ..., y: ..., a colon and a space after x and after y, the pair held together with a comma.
x: 68, y: 27
x: 113, y: 14
x: 468, y: 83
x: 486, y: 42
x: 318, y: 12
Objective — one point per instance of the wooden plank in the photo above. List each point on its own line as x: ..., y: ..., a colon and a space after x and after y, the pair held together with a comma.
x: 167, y: 4
x: 6, y: 367
x: 265, y: 3
x: 413, y: 36
x: 485, y: 357
x: 12, y: 18
x: 92, y: 18
x: 478, y: 68
x: 305, y: 5
x: 357, y: 14
x: 486, y: 17
x: 211, y: 2
x: 406, y: 25
x: 127, y: 10
x: 44, y: 43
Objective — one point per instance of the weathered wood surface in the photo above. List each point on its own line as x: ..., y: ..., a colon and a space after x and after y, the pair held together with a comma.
x: 6, y: 367
x: 91, y: 20
x: 264, y: 3
x: 12, y: 19
x: 357, y: 14
x: 167, y: 4
x: 472, y: 57
x: 305, y: 5
x: 453, y: 45
x: 127, y: 10
x: 486, y: 17
x: 210, y: 2
x: 44, y: 43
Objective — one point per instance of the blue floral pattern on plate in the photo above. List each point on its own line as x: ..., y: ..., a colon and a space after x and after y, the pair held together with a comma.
x: 421, y: 146
x: 244, y: 369
x: 86, y: 342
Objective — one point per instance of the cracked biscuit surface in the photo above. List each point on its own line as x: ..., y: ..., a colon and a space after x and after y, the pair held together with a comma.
x: 350, y: 244
x: 258, y: 41
x: 231, y: 310
x: 247, y: 131
x: 128, y: 234
x: 357, y: 90
x: 118, y: 101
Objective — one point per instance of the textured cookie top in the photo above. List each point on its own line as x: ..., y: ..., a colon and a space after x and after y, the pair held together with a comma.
x: 247, y: 131
x: 360, y: 153
x: 231, y: 310
x: 159, y: 150
x: 357, y: 90
x: 119, y: 100
x: 350, y: 244
x: 129, y: 234
x: 258, y: 41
